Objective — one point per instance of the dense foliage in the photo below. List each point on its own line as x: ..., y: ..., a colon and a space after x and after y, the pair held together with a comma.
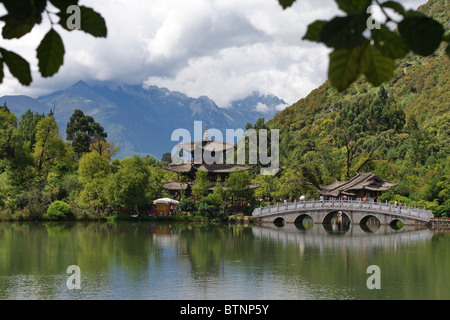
x: 400, y: 131
x: 43, y: 176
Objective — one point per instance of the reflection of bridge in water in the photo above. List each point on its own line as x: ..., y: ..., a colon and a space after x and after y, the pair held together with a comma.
x: 354, y: 238
x: 356, y: 212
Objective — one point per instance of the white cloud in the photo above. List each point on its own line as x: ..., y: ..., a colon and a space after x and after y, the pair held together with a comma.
x: 281, y: 107
x: 261, y: 107
x: 225, y: 49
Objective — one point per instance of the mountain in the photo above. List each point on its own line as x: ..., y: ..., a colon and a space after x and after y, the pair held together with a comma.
x: 399, y: 131
x: 141, y: 120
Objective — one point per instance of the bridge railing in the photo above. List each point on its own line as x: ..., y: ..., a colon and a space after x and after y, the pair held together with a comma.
x: 383, y: 207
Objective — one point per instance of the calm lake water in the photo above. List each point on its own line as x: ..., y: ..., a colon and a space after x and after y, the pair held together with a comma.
x: 203, y: 261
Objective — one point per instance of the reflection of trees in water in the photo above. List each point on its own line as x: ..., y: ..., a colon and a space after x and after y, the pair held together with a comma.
x: 206, y: 247
x: 42, y: 251
x: 209, y: 253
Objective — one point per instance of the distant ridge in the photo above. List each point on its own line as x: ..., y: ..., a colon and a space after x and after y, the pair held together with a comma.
x: 141, y: 120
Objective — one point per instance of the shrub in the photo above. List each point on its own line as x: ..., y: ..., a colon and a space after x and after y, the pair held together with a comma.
x: 58, y: 210
x: 206, y: 209
x: 210, y: 205
x: 187, y: 205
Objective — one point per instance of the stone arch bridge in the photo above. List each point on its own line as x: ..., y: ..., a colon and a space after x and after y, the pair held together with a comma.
x: 356, y: 211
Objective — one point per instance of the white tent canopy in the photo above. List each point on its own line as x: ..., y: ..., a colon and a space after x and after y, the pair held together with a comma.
x: 166, y: 200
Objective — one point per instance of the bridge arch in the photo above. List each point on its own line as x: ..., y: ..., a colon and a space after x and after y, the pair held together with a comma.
x: 396, y: 224
x: 370, y: 223
x: 337, y: 215
x: 336, y: 221
x: 304, y: 222
x: 279, y: 222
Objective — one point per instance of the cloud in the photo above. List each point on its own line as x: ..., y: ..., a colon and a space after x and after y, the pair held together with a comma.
x: 261, y: 107
x: 225, y: 49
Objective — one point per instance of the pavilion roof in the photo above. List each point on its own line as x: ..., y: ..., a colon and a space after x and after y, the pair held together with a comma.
x: 211, y: 168
x: 208, y: 145
x: 361, y: 181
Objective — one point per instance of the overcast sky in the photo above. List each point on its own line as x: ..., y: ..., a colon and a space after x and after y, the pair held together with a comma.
x: 225, y: 49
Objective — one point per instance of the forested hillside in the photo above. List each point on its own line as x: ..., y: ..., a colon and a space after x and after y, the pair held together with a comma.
x: 400, y: 131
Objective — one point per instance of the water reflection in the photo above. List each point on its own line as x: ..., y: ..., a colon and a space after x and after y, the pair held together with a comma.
x: 358, y: 238
x: 372, y: 224
x: 337, y: 222
x: 206, y: 261
x: 304, y: 222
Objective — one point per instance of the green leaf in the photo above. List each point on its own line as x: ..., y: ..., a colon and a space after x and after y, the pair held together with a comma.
x: 63, y: 4
x: 352, y: 6
x: 345, y: 32
x: 390, y: 43
x: 314, y: 30
x: 25, y: 10
x: 286, y: 3
x: 17, y: 65
x: 91, y: 21
x: 376, y: 67
x: 50, y: 53
x: 397, y: 7
x: 345, y: 67
x: 14, y: 28
x: 423, y: 34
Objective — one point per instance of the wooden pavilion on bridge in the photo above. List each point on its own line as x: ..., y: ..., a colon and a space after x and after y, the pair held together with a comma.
x: 361, y: 185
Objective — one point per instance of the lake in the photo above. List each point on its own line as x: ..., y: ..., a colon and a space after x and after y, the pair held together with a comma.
x: 162, y: 261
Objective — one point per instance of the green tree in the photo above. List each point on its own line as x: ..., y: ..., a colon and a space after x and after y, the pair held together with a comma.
x: 49, y: 146
x: 84, y: 132
x: 27, y: 127
x: 128, y: 187
x: 8, y: 124
x: 210, y: 205
x: 166, y: 157
x: 238, y: 184
x: 93, y: 173
x: 201, y: 184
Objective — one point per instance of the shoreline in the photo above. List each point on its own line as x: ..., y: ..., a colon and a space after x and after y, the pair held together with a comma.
x: 236, y: 218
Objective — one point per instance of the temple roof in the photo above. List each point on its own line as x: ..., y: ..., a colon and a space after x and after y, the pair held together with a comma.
x: 180, y: 168
x: 208, y: 145
x: 222, y: 168
x: 211, y: 168
x: 176, y: 186
x: 361, y: 181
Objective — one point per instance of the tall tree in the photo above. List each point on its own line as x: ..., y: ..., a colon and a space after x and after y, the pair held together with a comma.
x: 49, y: 146
x: 8, y: 124
x: 83, y: 132
x: 93, y: 173
x: 27, y: 126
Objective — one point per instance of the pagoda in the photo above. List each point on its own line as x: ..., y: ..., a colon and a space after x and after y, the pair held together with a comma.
x: 217, y: 171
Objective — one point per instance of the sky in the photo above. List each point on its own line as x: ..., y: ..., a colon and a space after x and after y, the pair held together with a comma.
x: 224, y: 49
